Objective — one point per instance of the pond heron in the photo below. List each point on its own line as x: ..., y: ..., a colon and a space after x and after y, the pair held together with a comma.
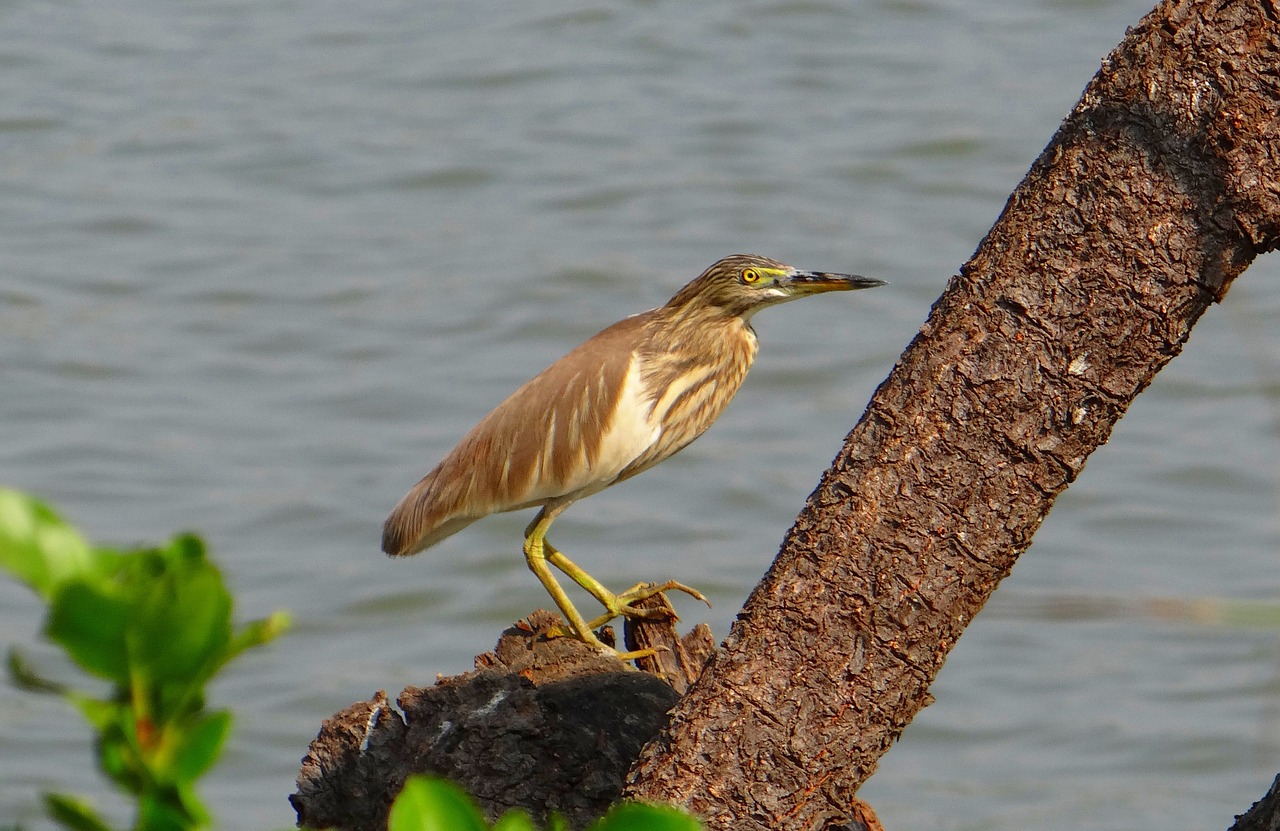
x: 621, y: 402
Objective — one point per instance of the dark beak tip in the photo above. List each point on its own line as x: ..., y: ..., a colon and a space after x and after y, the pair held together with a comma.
x: 823, y: 280
x: 857, y: 281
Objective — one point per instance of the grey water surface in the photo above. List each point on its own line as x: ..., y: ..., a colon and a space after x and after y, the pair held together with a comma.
x: 263, y: 263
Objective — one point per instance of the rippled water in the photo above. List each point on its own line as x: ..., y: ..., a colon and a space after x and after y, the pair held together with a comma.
x: 264, y: 262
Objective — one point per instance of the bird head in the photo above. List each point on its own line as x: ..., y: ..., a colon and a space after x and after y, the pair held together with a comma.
x: 742, y: 284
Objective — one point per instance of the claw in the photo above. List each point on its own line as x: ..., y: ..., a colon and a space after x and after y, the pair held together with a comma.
x: 539, y: 553
x: 561, y: 631
x: 622, y: 604
x: 642, y: 591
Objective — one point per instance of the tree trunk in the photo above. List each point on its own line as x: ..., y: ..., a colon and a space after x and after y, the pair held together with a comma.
x: 1265, y: 813
x: 1160, y: 187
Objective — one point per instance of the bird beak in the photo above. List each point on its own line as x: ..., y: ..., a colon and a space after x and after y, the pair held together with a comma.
x: 815, y: 282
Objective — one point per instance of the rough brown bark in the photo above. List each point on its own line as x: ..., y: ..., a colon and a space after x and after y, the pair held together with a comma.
x: 1160, y: 187
x: 676, y: 660
x: 1265, y: 813
x: 543, y: 725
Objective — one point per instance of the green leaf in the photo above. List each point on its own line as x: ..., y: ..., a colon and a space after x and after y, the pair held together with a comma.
x: 637, y: 816
x: 74, y: 812
x: 100, y: 714
x: 514, y: 820
x: 89, y: 621
x: 197, y: 814
x: 428, y: 804
x: 37, y: 547
x: 116, y: 746
x: 200, y: 746
x: 163, y: 813
x: 181, y: 624
x: 187, y: 548
x: 157, y: 623
x: 25, y: 677
x: 258, y: 632
x: 119, y: 762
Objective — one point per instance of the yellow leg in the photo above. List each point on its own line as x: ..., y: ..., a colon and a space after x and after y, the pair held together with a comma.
x: 615, y: 604
x: 535, y: 546
x: 538, y: 552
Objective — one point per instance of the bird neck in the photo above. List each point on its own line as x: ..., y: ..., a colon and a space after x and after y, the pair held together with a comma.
x: 702, y: 336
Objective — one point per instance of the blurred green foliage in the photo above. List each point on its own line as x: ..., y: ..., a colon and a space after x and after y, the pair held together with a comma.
x: 155, y: 623
x: 428, y: 804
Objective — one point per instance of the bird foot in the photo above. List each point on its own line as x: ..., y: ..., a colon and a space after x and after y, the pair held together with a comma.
x: 623, y: 603
x: 591, y: 639
x: 643, y: 591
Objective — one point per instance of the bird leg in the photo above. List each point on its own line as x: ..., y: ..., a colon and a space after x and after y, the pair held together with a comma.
x: 617, y: 604
x: 535, y: 554
x: 538, y: 552
x: 642, y: 591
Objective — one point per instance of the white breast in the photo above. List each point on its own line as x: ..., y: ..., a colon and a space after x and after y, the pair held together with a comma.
x: 634, y: 428
x: 630, y: 432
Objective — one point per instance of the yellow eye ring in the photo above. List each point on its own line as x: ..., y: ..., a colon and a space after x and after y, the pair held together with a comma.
x: 750, y: 275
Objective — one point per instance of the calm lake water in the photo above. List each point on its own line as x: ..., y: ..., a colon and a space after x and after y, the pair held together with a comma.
x: 265, y: 262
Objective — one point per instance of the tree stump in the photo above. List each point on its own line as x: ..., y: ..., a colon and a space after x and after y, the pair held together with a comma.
x: 544, y: 725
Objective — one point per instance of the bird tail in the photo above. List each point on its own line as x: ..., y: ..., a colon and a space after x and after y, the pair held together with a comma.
x: 409, y: 520
x: 417, y: 523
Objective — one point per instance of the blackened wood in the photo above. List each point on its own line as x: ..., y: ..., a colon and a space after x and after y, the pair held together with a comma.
x: 545, y: 725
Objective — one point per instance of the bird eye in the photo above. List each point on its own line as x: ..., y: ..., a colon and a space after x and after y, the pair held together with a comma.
x: 750, y: 276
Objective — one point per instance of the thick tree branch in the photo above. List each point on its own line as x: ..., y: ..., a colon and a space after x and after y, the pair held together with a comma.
x: 1265, y: 813
x: 1160, y: 187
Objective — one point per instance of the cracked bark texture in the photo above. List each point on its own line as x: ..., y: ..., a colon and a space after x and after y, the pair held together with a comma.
x: 1265, y: 813
x: 541, y: 725
x: 1159, y: 188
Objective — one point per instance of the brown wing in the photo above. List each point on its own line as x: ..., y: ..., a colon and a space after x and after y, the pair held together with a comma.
x: 533, y: 447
